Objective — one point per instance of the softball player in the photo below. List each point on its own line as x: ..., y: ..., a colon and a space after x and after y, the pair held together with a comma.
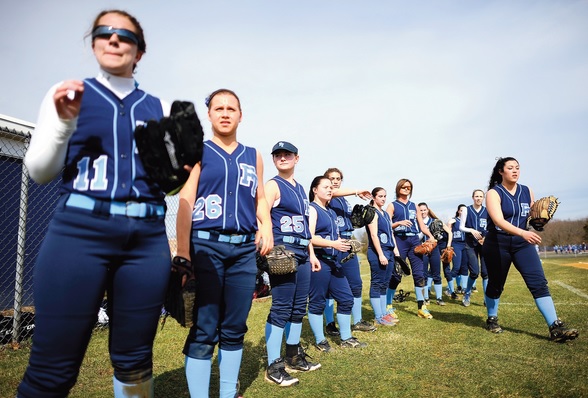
x: 107, y: 233
x: 380, y: 254
x: 407, y: 222
x: 508, y: 241
x: 432, y: 261
x: 459, y: 272
x: 351, y: 269
x: 217, y: 229
x: 476, y: 221
x: 289, y: 214
x: 328, y: 247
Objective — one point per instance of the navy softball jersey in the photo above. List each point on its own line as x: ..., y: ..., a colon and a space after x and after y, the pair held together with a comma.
x: 102, y: 159
x: 227, y: 189
x: 223, y: 244
x: 100, y: 239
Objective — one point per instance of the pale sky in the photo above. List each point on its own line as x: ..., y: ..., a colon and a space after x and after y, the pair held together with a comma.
x: 432, y: 91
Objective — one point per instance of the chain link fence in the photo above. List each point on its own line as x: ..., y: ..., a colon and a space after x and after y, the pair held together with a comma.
x: 25, y: 211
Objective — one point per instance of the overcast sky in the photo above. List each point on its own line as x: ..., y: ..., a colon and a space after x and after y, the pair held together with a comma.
x: 432, y: 91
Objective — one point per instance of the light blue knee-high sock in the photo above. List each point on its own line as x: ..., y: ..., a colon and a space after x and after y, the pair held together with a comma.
x: 138, y: 390
x: 356, y: 310
x: 547, y: 309
x: 438, y: 291
x: 419, y: 291
x: 390, y: 296
x: 451, y: 285
x: 383, y: 301
x: 429, y: 283
x: 273, y: 341
x: 344, y: 321
x: 484, y: 284
x: 293, y: 332
x: 198, y: 376
x: 330, y: 311
x: 491, y: 306
x: 229, y: 363
x: 316, y: 325
x: 463, y: 281
x: 426, y: 293
x: 375, y: 302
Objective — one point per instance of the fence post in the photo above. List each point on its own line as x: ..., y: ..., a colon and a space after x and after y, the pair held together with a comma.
x: 20, y: 252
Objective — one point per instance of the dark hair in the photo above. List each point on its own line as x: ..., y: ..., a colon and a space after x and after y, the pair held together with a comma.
x: 495, y: 177
x: 142, y: 45
x: 431, y: 213
x: 374, y: 193
x: 459, y: 207
x: 333, y: 170
x: 315, y: 183
x: 208, y: 99
x: 399, y: 185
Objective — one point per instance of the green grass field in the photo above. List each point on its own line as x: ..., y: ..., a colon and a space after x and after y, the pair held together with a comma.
x: 450, y: 355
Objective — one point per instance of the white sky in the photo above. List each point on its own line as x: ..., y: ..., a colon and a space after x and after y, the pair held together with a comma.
x: 431, y: 90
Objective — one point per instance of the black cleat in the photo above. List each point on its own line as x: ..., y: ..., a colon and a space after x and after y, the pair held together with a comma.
x: 332, y: 330
x: 276, y: 373
x: 298, y: 362
x: 559, y: 333
x: 492, y: 325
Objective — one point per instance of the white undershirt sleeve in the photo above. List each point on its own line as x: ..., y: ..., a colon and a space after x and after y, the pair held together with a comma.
x: 45, y: 156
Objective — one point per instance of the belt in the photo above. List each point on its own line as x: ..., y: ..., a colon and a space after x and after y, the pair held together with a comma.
x: 128, y: 209
x: 346, y: 234
x: 408, y: 234
x: 218, y: 237
x: 295, y: 240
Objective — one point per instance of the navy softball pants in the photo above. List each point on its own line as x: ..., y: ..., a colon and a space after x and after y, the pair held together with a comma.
x: 225, y: 277
x: 290, y: 292
x: 330, y: 279
x: 406, y: 245
x: 83, y: 256
x: 380, y: 275
x: 500, y: 250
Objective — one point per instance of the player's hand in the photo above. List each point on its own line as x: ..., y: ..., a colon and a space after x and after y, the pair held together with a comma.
x: 315, y: 264
x: 264, y: 240
x: 341, y: 245
x: 68, y: 99
x: 383, y: 260
x: 365, y: 195
x: 531, y: 237
x: 406, y: 223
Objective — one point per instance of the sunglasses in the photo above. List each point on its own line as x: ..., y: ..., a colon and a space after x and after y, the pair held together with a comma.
x: 407, y: 187
x: 124, y: 35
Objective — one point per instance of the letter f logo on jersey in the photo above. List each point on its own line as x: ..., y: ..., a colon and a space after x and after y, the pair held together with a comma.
x: 248, y: 177
x: 525, y: 208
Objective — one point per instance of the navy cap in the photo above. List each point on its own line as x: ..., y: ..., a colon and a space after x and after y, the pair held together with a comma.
x: 284, y: 146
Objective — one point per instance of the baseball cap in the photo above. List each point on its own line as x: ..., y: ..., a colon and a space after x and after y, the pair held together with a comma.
x: 284, y: 146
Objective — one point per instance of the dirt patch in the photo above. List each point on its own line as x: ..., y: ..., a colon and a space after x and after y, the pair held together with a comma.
x: 578, y: 265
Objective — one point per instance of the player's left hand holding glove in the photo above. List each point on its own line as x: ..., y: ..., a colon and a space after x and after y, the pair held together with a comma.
x: 167, y: 145
x: 181, y: 292
x: 542, y: 211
